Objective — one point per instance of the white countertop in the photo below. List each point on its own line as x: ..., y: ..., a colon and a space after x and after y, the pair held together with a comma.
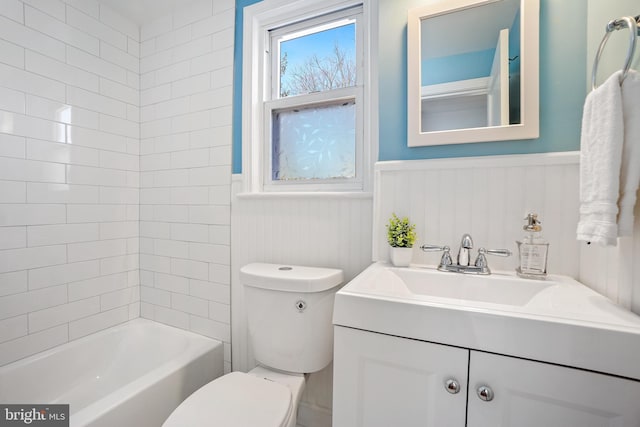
x: 562, y: 322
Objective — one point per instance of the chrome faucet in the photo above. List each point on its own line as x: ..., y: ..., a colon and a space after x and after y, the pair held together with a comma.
x: 464, y: 265
x: 464, y: 253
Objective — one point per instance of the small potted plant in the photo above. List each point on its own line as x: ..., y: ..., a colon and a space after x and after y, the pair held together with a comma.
x: 401, y: 236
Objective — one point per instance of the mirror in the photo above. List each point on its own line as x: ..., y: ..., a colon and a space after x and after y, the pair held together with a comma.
x: 472, y: 71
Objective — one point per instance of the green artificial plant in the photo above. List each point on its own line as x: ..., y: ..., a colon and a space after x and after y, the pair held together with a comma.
x: 400, y: 232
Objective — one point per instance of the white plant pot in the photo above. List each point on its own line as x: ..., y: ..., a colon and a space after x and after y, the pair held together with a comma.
x: 401, y: 257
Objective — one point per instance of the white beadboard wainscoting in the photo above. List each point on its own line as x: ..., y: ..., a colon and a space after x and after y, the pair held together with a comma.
x: 615, y: 271
x: 314, y: 230
x: 488, y: 197
x: 69, y: 173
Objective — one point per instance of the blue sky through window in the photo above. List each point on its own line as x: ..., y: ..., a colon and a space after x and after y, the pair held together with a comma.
x: 300, y: 49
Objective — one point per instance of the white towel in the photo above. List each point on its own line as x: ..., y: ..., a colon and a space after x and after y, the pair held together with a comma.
x: 630, y: 169
x: 600, y: 160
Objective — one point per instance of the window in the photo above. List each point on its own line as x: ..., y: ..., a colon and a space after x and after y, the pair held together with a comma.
x: 305, y: 128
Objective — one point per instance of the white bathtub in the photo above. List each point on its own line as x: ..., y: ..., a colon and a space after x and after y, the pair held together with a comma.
x: 134, y: 374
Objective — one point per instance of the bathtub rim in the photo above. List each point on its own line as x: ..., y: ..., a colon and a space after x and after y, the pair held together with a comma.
x: 79, y: 341
x: 198, y: 346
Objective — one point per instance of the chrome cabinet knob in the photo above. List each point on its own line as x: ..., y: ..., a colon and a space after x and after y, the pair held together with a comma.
x: 452, y: 386
x: 485, y: 393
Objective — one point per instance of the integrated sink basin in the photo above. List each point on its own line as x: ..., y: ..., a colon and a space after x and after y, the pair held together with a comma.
x: 431, y: 283
x: 558, y: 320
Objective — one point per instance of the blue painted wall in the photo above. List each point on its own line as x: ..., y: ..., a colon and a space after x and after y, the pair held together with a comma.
x: 562, y: 85
x: 236, y: 164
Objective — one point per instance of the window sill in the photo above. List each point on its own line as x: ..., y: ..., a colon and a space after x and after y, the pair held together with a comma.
x: 307, y: 195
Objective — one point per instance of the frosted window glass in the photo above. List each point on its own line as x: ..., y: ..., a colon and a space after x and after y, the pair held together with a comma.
x: 317, y: 142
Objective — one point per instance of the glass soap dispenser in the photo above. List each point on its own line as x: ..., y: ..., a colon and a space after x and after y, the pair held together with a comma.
x: 532, y: 251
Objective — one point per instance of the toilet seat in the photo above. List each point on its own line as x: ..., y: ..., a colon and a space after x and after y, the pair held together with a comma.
x: 235, y: 400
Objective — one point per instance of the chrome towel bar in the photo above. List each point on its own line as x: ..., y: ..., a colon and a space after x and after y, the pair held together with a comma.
x: 629, y: 22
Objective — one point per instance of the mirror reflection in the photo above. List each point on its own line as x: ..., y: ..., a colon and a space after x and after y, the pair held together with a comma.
x: 470, y: 67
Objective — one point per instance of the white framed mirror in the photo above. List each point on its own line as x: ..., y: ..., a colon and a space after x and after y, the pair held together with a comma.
x: 472, y: 71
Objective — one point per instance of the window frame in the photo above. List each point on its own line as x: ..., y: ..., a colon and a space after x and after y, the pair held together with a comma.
x: 263, y: 21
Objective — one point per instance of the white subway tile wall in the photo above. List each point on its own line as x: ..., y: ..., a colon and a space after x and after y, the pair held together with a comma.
x: 69, y: 172
x: 186, y: 64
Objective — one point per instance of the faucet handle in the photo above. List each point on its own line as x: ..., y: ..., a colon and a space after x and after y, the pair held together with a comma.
x: 446, y: 256
x: 434, y: 248
x: 498, y: 252
x: 481, y: 260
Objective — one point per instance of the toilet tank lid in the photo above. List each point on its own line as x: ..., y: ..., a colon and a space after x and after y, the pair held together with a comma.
x: 290, y: 278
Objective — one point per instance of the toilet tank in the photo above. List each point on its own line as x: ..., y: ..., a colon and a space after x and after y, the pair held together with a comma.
x: 289, y: 310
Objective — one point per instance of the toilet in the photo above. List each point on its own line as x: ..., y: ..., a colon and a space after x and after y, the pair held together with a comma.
x: 289, y: 311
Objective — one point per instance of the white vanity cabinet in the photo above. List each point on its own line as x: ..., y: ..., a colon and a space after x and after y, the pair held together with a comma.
x: 533, y: 394
x: 383, y: 380
x: 550, y: 353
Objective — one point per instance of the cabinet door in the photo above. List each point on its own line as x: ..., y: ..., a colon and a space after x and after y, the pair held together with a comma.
x: 533, y: 394
x: 381, y: 380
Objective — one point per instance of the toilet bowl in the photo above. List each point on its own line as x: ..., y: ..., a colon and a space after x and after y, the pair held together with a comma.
x: 289, y: 311
x: 259, y: 398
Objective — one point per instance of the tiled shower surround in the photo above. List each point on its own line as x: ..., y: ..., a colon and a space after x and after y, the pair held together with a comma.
x: 114, y: 171
x: 186, y: 79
